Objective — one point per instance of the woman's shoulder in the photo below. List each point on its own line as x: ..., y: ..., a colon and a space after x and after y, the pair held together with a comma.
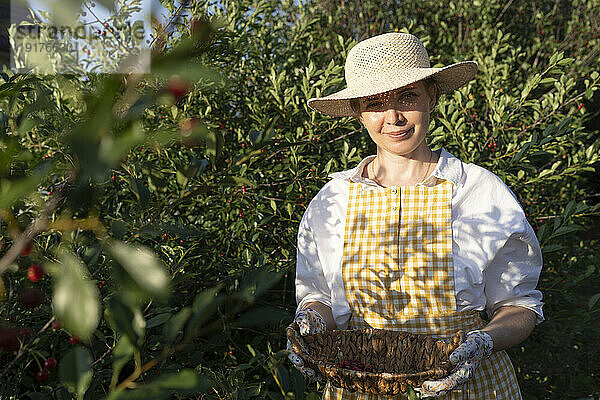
x: 328, y: 206
x: 480, y: 180
x: 338, y: 188
x: 484, y: 196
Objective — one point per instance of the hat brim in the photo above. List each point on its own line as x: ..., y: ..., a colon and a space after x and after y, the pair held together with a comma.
x: 448, y: 78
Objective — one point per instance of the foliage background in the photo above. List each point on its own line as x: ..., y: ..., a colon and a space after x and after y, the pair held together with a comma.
x: 215, y: 184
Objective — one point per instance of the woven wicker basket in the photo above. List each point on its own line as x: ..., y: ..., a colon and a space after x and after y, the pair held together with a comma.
x: 375, y: 360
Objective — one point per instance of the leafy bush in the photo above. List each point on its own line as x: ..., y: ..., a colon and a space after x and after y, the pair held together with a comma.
x: 164, y: 208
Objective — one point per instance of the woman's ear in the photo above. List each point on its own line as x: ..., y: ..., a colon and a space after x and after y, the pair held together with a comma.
x: 432, y: 91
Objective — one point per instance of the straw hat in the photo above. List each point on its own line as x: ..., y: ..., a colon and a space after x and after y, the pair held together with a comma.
x: 387, y: 62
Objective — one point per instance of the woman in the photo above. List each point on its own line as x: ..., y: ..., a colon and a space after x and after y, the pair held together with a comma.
x: 413, y: 239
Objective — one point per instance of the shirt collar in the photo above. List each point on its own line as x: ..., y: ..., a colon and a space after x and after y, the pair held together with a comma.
x: 448, y: 167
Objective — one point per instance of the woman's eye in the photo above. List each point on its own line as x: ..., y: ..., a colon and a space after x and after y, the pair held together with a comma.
x: 374, y: 104
x: 407, y: 95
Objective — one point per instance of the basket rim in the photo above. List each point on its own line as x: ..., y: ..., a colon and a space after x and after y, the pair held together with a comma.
x: 329, y: 369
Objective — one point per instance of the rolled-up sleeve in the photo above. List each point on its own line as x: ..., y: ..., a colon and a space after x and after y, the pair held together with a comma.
x: 512, y: 276
x: 311, y: 284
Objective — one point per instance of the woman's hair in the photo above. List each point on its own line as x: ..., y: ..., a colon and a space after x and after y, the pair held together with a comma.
x: 429, y: 82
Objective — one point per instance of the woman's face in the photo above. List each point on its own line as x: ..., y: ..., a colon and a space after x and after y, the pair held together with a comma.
x: 398, y: 121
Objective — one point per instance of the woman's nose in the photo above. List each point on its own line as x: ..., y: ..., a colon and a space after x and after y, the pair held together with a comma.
x: 394, y: 116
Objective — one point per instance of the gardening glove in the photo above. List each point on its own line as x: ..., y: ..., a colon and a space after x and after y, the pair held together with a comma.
x: 467, y: 357
x: 309, y: 322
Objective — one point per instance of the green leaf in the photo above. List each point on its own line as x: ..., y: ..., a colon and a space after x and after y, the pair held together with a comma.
x: 565, y: 230
x: 142, y: 266
x: 140, y: 190
x: 186, y: 382
x: 177, y: 323
x: 589, y: 93
x: 593, y: 300
x: 182, y: 180
x: 566, y: 61
x: 204, y: 307
x: 75, y: 370
x: 158, y: 320
x: 13, y: 190
x: 121, y: 355
x: 243, y: 181
x: 412, y: 395
x: 76, y: 299
x: 564, y: 124
x: 126, y: 320
x: 118, y: 229
x: 214, y: 143
x: 549, y: 248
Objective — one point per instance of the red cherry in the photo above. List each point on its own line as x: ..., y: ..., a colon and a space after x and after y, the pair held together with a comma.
x: 580, y: 106
x: 24, y: 332
x: 177, y: 87
x: 74, y: 339
x: 50, y: 363
x: 43, y: 375
x: 31, y: 298
x: 98, y: 31
x: 27, y: 249
x: 56, y: 325
x: 9, y: 338
x: 88, y: 52
x: 83, y: 14
x: 35, y: 273
x: 103, y: 33
x: 106, y: 24
x: 188, y: 126
x: 93, y: 4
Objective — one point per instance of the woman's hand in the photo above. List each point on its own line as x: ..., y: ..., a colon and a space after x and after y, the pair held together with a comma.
x: 309, y: 322
x: 467, y: 357
x: 509, y: 326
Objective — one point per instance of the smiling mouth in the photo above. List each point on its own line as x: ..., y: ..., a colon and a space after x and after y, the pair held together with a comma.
x: 398, y: 134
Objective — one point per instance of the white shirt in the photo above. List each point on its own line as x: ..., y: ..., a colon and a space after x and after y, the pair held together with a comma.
x: 496, y: 254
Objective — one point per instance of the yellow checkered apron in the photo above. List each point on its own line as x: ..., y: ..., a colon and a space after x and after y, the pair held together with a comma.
x: 398, y: 274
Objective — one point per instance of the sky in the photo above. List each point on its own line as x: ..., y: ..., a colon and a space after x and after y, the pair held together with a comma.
x: 94, y: 11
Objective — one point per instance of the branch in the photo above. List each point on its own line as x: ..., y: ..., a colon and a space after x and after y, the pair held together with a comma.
x: 37, y: 226
x: 24, y: 347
